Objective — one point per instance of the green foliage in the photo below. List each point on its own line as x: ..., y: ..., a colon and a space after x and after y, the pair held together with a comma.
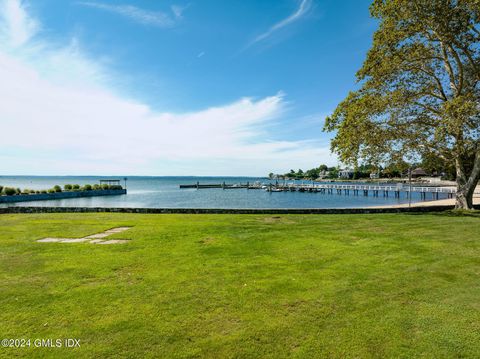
x: 435, y: 164
x: 311, y: 174
x: 9, y: 191
x: 419, y: 90
x: 290, y: 174
x: 56, y: 189
x: 333, y: 172
x: 395, y: 169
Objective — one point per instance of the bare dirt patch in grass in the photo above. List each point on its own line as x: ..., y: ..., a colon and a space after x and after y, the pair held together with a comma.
x: 97, y: 238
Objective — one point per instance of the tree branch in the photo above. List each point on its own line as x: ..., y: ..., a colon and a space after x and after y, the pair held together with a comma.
x: 442, y: 95
x: 429, y: 108
x: 471, y: 60
x: 448, y: 68
x: 459, y: 68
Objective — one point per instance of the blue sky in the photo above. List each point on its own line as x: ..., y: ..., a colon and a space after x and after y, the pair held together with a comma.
x: 174, y: 87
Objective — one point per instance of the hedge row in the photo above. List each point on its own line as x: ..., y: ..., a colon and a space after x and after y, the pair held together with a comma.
x: 10, y: 191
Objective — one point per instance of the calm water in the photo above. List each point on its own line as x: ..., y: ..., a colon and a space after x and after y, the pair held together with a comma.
x: 159, y: 192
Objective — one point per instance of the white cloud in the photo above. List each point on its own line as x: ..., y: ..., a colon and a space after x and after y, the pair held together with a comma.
x: 60, y: 115
x: 145, y: 17
x: 178, y: 10
x: 18, y: 26
x: 298, y: 14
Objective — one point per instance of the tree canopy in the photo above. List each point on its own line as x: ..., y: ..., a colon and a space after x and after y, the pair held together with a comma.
x: 419, y: 90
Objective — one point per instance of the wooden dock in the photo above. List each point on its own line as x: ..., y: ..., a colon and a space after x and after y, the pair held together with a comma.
x: 366, y: 190
x: 345, y: 189
x: 223, y: 185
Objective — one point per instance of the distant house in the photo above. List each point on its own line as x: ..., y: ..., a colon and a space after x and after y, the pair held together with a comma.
x: 345, y: 173
x: 418, y: 172
x: 323, y: 174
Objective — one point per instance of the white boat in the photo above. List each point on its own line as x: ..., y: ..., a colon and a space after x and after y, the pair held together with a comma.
x: 273, y: 189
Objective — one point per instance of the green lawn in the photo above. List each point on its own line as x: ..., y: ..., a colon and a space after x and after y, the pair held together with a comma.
x: 336, y: 286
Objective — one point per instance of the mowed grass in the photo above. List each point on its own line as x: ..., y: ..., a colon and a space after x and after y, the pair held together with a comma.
x: 243, y: 286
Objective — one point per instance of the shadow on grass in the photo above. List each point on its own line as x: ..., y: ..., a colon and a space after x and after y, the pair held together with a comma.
x: 451, y: 213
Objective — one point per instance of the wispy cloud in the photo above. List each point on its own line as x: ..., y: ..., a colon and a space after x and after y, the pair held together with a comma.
x: 18, y: 27
x: 303, y: 8
x: 72, y: 120
x: 178, y: 10
x: 142, y: 16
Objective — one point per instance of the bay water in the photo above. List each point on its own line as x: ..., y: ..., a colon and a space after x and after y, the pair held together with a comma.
x: 164, y: 192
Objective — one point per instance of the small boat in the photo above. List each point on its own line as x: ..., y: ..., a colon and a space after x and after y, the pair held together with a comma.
x: 273, y: 189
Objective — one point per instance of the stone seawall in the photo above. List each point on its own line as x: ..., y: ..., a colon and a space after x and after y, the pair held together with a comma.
x: 60, y: 195
x: 227, y: 211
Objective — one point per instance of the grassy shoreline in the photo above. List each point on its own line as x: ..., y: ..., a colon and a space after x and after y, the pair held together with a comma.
x: 390, y: 285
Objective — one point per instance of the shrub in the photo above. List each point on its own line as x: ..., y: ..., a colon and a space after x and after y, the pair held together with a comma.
x: 96, y: 187
x: 116, y: 186
x: 51, y: 190
x: 87, y: 187
x: 105, y: 186
x: 18, y: 190
x: 9, y: 191
x: 1, y: 189
x: 43, y: 191
x: 68, y: 187
x: 76, y: 187
x: 57, y: 188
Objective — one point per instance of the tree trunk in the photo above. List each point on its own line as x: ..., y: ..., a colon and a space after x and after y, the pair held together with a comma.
x: 464, y: 197
x: 466, y: 186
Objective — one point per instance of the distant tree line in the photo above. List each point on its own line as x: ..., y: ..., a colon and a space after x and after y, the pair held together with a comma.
x: 432, y: 165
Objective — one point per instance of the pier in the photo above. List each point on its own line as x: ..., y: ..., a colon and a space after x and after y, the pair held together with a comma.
x: 223, y: 185
x: 338, y: 189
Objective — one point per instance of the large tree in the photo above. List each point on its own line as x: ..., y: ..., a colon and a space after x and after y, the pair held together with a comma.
x: 419, y: 90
